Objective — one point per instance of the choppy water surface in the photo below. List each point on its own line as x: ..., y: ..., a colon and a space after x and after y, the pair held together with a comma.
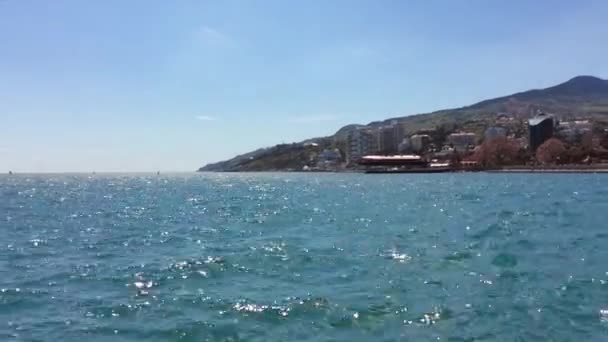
x: 307, y: 257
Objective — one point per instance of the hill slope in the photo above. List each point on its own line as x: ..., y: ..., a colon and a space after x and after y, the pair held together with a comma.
x: 580, y: 96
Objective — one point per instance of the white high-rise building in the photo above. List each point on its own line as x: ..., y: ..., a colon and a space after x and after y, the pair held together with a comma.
x: 361, y: 142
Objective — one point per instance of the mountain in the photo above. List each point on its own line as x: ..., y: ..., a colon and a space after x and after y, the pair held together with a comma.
x: 581, y: 96
x: 283, y: 157
x: 578, y: 89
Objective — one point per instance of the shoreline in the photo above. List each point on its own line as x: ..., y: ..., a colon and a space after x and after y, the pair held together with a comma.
x: 423, y: 171
x: 566, y: 168
x: 548, y: 171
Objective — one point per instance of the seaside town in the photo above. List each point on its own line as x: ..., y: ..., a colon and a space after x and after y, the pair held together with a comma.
x: 560, y: 128
x: 543, y: 141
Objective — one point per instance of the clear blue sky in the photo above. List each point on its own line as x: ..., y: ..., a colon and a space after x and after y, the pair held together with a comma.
x: 145, y: 85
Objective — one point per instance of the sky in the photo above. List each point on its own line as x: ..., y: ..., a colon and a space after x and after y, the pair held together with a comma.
x: 146, y: 85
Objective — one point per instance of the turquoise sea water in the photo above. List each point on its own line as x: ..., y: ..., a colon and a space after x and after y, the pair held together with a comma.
x: 304, y: 257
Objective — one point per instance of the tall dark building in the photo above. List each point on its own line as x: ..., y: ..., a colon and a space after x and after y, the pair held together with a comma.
x: 386, y: 140
x: 541, y: 129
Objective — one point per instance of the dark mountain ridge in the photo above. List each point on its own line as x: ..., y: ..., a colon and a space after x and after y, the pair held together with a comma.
x: 586, y: 87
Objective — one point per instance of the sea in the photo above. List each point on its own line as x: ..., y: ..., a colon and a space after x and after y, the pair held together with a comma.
x: 304, y: 257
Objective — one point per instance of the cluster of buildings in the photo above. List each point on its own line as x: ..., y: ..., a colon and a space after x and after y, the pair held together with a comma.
x: 462, y: 142
x: 363, y: 141
x: 576, y: 132
x: 392, y: 139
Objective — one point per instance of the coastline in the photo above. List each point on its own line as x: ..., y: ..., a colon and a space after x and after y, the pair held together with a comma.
x: 572, y: 168
x: 565, y: 168
x: 442, y: 170
x: 604, y: 170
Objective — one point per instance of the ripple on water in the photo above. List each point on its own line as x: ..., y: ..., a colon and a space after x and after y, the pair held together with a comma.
x: 505, y: 260
x: 459, y: 256
x: 397, y: 256
x: 206, y: 257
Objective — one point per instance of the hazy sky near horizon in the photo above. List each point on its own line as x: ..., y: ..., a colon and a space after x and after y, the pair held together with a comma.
x: 145, y: 85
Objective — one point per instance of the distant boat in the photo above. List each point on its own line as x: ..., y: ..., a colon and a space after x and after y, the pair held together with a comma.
x: 10, y: 172
x: 157, y: 173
